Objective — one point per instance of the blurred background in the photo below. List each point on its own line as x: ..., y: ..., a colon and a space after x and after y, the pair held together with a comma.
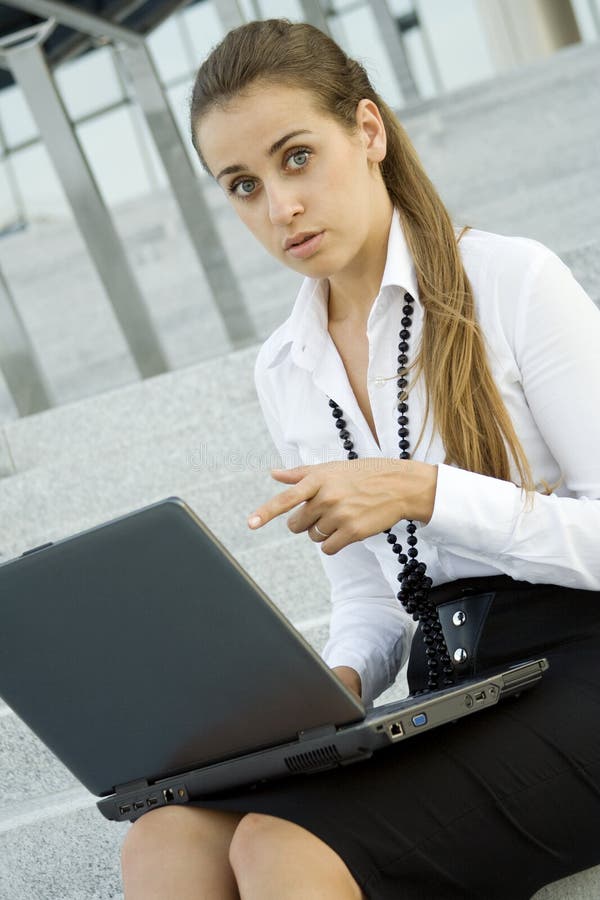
x: 110, y: 271
x: 447, y: 45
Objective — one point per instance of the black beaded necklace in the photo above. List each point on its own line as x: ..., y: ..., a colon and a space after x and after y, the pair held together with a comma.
x: 415, y: 584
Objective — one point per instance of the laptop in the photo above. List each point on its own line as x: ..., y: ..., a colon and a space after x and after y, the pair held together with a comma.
x: 157, y: 671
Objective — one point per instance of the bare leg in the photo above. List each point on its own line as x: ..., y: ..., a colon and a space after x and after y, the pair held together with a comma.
x: 180, y: 853
x: 274, y: 859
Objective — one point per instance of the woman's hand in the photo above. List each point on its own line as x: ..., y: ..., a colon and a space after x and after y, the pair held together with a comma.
x: 350, y: 500
x: 350, y: 678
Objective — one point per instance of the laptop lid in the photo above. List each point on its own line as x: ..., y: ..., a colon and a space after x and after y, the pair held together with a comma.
x: 140, y: 648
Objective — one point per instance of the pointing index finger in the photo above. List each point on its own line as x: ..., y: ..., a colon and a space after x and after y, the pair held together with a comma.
x: 281, y: 503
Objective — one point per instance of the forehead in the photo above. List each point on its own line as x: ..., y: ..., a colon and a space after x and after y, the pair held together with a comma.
x: 252, y: 121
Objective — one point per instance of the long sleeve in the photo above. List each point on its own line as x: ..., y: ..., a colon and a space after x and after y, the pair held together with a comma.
x: 369, y: 630
x: 557, y: 538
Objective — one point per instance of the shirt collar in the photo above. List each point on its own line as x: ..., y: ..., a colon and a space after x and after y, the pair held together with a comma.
x: 305, y: 333
x: 399, y: 266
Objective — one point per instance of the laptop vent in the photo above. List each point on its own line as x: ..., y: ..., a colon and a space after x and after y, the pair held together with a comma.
x: 324, y: 757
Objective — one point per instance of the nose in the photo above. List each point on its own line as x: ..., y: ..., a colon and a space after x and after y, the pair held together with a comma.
x: 284, y: 203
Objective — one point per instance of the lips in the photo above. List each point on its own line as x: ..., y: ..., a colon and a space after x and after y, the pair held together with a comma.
x: 299, y: 238
x: 307, y: 247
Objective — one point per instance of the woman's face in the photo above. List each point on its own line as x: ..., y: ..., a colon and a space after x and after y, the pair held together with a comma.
x: 291, y: 171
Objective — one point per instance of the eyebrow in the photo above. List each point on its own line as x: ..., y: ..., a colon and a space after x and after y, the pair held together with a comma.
x: 240, y: 167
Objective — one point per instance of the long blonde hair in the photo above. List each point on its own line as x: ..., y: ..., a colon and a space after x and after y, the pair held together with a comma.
x: 466, y: 404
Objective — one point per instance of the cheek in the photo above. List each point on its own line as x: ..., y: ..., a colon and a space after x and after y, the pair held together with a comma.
x: 344, y: 183
x: 252, y: 217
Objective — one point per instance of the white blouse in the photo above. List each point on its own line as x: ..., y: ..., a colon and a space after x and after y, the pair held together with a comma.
x: 542, y: 334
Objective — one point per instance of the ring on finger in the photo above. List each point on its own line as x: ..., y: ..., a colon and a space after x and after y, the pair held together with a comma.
x: 319, y: 532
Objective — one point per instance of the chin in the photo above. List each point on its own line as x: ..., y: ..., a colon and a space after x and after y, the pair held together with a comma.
x: 323, y: 267
x: 323, y: 264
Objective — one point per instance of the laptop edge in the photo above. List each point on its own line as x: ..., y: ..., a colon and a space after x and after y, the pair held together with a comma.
x: 325, y: 747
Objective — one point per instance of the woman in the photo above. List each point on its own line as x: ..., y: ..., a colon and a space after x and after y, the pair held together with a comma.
x: 482, y: 347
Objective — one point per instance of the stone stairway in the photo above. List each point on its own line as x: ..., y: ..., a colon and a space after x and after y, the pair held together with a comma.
x: 196, y: 432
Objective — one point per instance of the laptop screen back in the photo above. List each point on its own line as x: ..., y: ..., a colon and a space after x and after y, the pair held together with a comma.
x: 140, y: 648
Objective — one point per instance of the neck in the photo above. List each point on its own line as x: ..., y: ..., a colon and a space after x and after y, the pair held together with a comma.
x: 353, y: 291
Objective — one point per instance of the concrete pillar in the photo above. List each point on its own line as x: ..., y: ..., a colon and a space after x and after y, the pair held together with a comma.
x: 393, y: 42
x: 521, y: 31
x: 18, y: 359
x: 23, y: 54
x: 315, y: 14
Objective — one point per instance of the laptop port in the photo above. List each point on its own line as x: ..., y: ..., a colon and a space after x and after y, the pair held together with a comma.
x: 125, y: 809
x: 152, y: 801
x: 168, y: 795
x: 139, y: 804
x: 395, y: 730
x: 480, y: 695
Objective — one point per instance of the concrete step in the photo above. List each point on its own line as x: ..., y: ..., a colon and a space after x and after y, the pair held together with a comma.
x: 72, y: 855
x: 584, y: 262
x: 36, y: 509
x: 582, y: 886
x: 518, y: 154
x: 208, y: 397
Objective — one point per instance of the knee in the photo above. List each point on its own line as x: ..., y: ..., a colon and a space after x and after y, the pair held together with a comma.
x: 150, y: 832
x: 262, y: 845
x: 254, y: 838
x: 167, y: 827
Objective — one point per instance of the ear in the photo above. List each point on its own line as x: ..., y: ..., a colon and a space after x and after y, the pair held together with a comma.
x: 371, y: 130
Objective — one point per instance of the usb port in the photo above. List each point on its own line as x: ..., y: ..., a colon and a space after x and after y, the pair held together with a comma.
x: 125, y: 809
x: 168, y: 795
x: 480, y: 695
x: 152, y: 801
x: 139, y: 804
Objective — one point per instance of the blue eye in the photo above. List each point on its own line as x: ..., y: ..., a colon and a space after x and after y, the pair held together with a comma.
x: 247, y: 186
x: 300, y: 157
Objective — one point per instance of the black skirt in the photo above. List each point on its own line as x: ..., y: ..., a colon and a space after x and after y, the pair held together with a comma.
x: 493, y: 806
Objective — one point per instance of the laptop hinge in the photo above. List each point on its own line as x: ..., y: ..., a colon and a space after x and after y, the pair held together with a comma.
x: 322, y: 731
x: 139, y: 785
